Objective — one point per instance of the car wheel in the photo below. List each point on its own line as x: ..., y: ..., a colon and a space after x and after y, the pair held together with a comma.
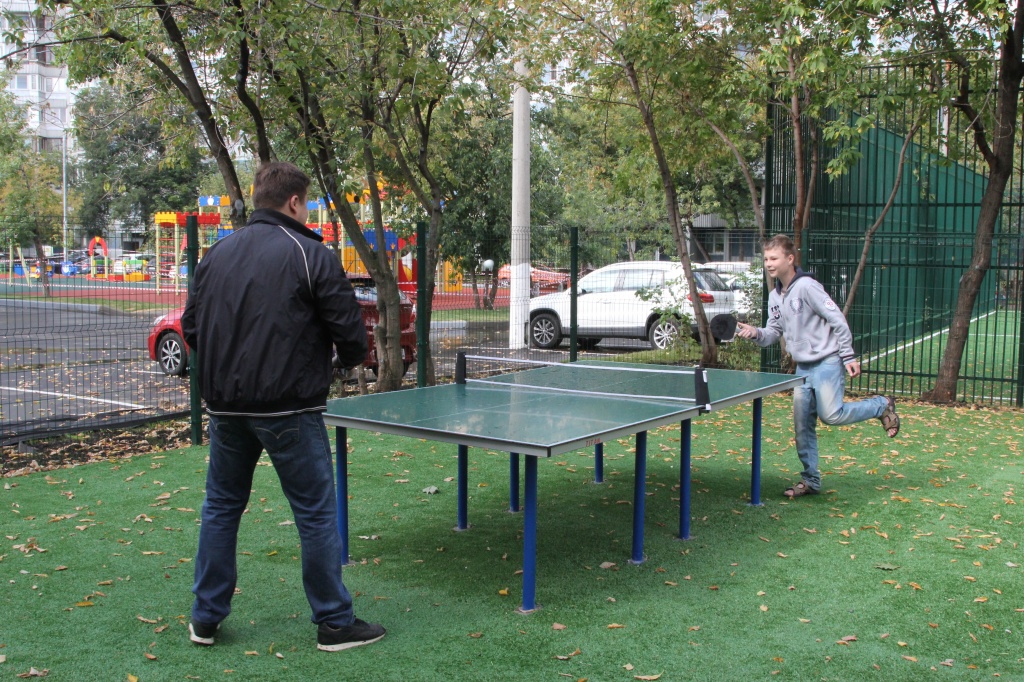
x: 587, y: 344
x: 545, y: 331
x: 170, y: 353
x: 663, y: 333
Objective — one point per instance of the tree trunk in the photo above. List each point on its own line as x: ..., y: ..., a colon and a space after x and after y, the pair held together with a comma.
x: 709, y: 351
x: 945, y: 389
x: 870, y: 233
x: 1000, y: 161
x: 44, y: 280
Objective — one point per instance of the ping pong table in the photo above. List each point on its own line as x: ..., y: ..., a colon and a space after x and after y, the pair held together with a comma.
x: 549, y: 410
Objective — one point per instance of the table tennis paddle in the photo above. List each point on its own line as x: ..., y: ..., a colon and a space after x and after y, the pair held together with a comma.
x: 723, y: 327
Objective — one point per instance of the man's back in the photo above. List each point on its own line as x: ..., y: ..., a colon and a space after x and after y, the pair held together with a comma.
x: 268, y: 303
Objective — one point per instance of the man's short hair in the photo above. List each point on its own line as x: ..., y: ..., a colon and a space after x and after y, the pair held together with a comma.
x: 781, y: 242
x: 276, y: 183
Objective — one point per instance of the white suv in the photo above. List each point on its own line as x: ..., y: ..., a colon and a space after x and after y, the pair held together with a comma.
x: 608, y: 304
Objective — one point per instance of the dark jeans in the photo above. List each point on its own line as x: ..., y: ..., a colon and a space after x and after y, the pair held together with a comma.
x: 301, y: 454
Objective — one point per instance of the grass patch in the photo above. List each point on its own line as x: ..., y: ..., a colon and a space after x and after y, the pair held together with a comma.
x: 471, y: 314
x: 912, y: 550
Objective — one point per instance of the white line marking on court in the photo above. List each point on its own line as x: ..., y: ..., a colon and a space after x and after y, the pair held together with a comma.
x: 74, y: 397
x: 904, y: 346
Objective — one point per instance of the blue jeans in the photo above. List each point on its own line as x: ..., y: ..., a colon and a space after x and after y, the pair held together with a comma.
x: 822, y: 396
x: 301, y: 454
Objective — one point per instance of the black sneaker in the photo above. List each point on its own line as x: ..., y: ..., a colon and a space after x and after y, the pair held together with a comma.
x: 357, y: 634
x: 202, y: 633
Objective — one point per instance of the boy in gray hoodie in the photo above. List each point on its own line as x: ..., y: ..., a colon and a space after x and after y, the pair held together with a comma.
x: 820, y: 341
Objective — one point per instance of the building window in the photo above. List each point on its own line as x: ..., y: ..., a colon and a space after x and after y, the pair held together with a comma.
x: 716, y: 243
x: 50, y: 144
x: 21, y: 82
x: 43, y: 54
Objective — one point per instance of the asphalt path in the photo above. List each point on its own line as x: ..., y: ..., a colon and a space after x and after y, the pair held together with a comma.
x: 65, y: 366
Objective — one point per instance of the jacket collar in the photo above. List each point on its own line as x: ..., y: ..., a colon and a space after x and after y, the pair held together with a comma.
x: 798, y: 274
x: 269, y: 216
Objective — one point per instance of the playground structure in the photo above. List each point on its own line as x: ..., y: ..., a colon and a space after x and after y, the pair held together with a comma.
x: 170, y: 241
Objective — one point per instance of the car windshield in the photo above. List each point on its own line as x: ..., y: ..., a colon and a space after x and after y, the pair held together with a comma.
x: 709, y: 281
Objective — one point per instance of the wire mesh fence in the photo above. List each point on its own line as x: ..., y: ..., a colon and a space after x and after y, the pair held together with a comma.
x: 73, y: 340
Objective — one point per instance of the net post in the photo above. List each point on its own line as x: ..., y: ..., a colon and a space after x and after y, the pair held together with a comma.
x: 460, y: 367
x: 701, y: 395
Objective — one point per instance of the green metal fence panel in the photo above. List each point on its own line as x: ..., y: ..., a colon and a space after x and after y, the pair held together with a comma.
x: 907, y: 293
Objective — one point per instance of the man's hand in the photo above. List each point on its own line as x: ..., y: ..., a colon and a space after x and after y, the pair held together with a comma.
x: 746, y: 331
x: 853, y: 368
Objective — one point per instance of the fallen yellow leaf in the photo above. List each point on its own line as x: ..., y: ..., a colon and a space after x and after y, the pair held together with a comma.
x: 503, y: 592
x: 615, y: 626
x: 648, y: 677
x: 476, y: 635
x: 557, y: 626
x: 912, y: 659
x: 149, y: 656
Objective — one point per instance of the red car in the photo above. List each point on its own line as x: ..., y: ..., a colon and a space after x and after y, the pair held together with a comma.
x: 168, y: 348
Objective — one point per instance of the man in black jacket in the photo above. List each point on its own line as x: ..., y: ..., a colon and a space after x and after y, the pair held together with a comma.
x: 267, y: 305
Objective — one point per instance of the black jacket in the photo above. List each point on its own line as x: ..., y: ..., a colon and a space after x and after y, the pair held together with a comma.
x: 267, y: 304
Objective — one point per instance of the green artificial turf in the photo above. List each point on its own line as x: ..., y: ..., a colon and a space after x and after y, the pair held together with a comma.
x: 907, y: 567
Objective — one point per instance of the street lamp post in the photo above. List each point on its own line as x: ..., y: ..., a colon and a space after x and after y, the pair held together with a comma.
x: 64, y: 190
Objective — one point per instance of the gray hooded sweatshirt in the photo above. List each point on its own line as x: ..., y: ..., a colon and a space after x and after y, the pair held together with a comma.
x: 812, y: 323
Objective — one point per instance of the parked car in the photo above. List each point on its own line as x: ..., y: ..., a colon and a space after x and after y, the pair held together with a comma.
x: 167, y: 346
x: 746, y: 280
x: 541, y: 279
x: 610, y: 305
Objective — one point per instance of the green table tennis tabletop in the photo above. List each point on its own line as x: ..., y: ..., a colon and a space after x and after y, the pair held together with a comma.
x: 552, y: 409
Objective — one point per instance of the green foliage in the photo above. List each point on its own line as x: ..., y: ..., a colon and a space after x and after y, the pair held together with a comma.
x: 128, y: 169
x: 31, y: 206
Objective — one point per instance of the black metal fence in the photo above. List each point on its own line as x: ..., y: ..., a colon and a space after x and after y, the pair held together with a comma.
x: 903, y: 307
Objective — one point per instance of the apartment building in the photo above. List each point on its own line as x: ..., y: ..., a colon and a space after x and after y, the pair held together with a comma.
x: 36, y: 80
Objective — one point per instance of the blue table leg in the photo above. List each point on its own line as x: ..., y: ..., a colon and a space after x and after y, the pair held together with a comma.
x: 639, y: 498
x: 341, y: 446
x: 530, y: 538
x: 685, y: 446
x: 513, y: 482
x: 755, y: 457
x: 462, y: 522
x: 599, y: 463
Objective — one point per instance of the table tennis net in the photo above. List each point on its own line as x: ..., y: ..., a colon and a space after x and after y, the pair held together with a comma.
x: 685, y: 385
